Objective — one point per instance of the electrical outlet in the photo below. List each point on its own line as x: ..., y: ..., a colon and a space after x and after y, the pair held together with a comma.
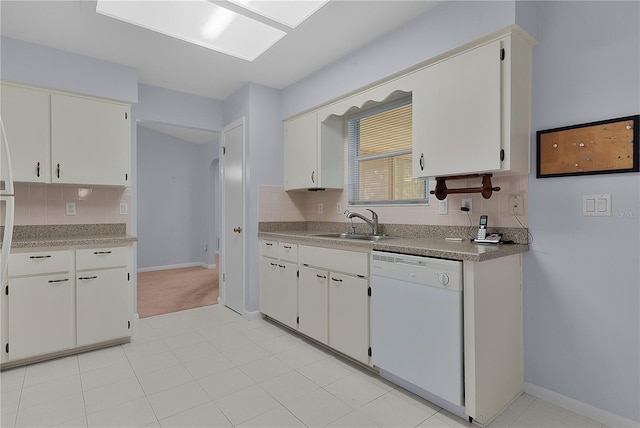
x: 467, y: 203
x: 338, y: 208
x: 124, y: 208
x: 70, y: 208
x: 319, y: 208
x: 516, y: 205
x: 442, y: 207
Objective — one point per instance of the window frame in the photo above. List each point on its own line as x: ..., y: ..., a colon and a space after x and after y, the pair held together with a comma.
x: 354, y: 159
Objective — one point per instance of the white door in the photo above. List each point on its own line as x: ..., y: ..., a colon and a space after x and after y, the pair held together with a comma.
x: 232, y: 251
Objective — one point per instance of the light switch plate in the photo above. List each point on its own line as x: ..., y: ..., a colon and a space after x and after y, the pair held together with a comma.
x: 596, y: 205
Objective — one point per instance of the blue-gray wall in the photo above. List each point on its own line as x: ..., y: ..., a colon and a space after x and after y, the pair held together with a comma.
x: 184, y: 110
x: 441, y: 29
x: 264, y: 154
x: 169, y: 200
x: 581, y: 278
x: 52, y: 68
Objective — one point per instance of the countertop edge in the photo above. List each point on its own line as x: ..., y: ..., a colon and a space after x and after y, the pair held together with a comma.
x: 440, y: 248
x: 73, y: 241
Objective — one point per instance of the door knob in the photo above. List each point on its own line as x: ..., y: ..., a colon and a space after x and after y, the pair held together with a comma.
x: 237, y: 229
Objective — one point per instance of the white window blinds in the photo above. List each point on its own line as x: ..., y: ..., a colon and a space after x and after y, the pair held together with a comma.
x: 380, y: 156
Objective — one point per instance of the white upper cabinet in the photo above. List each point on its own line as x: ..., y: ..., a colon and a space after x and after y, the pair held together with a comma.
x: 90, y: 141
x: 313, y: 153
x: 59, y: 138
x: 26, y: 117
x: 472, y: 110
x: 301, y: 152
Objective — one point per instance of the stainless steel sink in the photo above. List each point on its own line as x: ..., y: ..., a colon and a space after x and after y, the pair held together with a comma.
x: 356, y: 236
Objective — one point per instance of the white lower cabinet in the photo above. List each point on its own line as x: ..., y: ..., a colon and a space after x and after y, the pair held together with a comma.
x: 53, y: 305
x: 313, y: 303
x: 41, y: 315
x: 102, y: 305
x: 349, y: 315
x: 279, y: 290
x: 321, y: 292
x: 333, y: 301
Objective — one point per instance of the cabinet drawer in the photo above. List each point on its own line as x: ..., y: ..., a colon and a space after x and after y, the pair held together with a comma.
x: 351, y: 262
x: 97, y: 258
x: 288, y: 252
x: 269, y: 248
x: 37, y: 263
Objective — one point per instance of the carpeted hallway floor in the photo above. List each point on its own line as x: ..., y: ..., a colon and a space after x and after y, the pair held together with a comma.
x: 172, y: 290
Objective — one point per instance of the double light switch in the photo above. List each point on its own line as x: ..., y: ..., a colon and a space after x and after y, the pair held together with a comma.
x: 596, y: 205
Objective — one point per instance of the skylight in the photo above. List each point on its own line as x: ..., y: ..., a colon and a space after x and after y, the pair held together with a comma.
x: 214, y: 27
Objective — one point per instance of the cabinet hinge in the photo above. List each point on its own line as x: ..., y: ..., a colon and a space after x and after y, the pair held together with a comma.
x: 298, y: 274
x: 369, y: 291
x: 128, y: 276
x: 126, y: 176
x: 502, y: 53
x: 6, y: 348
x: 128, y: 325
x: 369, y: 351
x: 223, y: 277
x: 298, y: 320
x: 126, y: 115
x: 224, y: 150
x: 501, y: 155
x: 6, y: 290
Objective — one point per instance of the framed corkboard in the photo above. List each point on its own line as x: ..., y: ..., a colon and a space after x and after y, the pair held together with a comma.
x: 608, y: 146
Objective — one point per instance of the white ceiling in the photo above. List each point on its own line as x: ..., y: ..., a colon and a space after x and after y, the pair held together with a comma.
x: 337, y: 29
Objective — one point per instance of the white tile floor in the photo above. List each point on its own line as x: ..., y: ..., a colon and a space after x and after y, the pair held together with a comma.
x: 208, y: 367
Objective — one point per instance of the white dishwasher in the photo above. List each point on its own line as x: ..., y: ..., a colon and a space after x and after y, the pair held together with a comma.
x: 416, y: 325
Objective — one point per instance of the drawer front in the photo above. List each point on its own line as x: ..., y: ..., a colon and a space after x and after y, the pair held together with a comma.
x: 98, y: 258
x: 269, y: 248
x: 288, y: 252
x: 40, y: 262
x: 351, y: 262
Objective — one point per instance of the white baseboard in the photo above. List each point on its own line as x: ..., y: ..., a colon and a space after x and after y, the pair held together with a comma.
x: 579, y: 407
x: 183, y: 265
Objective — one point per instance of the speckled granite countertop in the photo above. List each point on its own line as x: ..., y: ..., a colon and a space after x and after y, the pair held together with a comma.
x: 408, y: 239
x: 69, y: 235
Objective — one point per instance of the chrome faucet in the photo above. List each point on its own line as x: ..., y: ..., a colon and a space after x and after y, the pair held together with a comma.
x: 373, y: 222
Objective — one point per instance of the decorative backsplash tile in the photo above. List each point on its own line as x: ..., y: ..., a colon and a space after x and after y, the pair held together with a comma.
x: 274, y: 204
x: 45, y: 204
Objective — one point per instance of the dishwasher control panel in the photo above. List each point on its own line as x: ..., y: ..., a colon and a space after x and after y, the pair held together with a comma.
x: 421, y: 270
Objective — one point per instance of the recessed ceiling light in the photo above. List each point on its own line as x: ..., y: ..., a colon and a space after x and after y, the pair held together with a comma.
x: 290, y: 13
x: 199, y: 22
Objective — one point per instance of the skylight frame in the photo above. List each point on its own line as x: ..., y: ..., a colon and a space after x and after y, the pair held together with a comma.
x: 294, y: 14
x: 232, y: 37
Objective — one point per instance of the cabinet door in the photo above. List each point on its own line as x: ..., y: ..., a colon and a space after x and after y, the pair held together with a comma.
x: 90, y: 141
x: 268, y: 280
x: 457, y: 114
x: 26, y: 117
x: 286, y: 293
x: 102, y: 305
x: 313, y: 303
x: 41, y: 315
x: 301, y: 152
x: 349, y: 316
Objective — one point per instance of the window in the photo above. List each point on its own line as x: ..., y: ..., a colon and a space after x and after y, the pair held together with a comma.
x: 380, y: 157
